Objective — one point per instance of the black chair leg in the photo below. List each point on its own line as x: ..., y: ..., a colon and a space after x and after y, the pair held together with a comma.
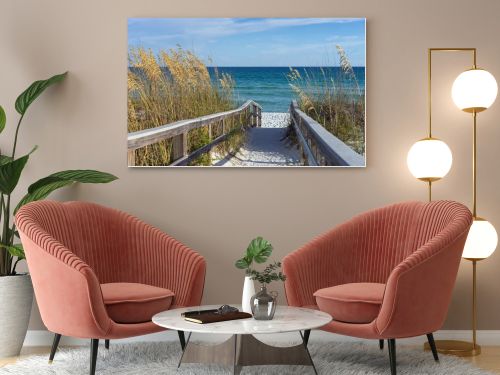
x: 432, y: 344
x: 106, y: 344
x: 392, y: 355
x: 307, y: 333
x: 94, y: 346
x: 182, y: 339
x: 55, y: 344
x: 381, y: 344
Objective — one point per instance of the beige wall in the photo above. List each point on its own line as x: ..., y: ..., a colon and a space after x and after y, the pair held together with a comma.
x: 82, y: 124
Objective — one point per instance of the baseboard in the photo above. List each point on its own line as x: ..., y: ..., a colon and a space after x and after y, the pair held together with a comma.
x: 484, y: 337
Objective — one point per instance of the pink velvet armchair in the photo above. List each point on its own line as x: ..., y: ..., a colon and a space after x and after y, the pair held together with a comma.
x: 99, y: 273
x: 385, y: 274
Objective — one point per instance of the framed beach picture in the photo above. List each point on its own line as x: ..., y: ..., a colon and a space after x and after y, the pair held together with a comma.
x: 246, y: 92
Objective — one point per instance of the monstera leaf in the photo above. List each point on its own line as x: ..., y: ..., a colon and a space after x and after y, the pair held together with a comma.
x: 43, y: 187
x: 258, y: 250
x: 242, y: 263
x: 29, y: 95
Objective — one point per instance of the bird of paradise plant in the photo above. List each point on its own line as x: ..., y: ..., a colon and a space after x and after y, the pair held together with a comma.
x: 11, y: 169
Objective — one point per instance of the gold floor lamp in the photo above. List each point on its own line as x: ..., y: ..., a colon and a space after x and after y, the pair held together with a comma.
x: 430, y: 159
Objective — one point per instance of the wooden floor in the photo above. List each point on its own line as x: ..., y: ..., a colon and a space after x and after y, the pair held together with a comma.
x: 488, y: 360
x: 26, y: 352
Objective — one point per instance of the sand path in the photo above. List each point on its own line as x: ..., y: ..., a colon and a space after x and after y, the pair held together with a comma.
x: 264, y: 145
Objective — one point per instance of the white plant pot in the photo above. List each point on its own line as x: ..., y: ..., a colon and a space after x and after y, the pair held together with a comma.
x: 16, y: 298
x: 248, y: 292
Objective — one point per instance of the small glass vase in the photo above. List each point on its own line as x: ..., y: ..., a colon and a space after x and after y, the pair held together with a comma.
x: 263, y: 304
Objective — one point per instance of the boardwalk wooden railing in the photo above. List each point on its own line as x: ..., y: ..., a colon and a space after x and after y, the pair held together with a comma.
x: 178, y: 131
x: 318, y: 145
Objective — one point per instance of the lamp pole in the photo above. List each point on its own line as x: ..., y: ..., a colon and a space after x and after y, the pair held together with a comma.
x: 474, y: 215
x: 454, y: 347
x: 429, y: 96
x: 476, y: 349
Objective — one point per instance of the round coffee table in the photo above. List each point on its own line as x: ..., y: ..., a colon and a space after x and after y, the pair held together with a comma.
x: 242, y: 348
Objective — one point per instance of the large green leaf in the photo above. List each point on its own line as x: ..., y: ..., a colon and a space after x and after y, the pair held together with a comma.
x: 86, y: 176
x: 43, y: 187
x: 4, y: 159
x: 10, y: 172
x: 3, y: 119
x: 259, y: 250
x: 242, y: 263
x: 15, y: 250
x: 42, y: 193
x: 29, y: 95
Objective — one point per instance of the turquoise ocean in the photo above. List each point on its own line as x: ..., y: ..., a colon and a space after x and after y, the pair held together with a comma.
x: 270, y: 87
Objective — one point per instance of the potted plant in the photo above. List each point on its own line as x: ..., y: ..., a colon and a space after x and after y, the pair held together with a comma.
x: 259, y: 250
x: 16, y: 291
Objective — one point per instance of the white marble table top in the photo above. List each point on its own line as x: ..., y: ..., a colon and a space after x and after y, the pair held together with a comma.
x: 286, y: 319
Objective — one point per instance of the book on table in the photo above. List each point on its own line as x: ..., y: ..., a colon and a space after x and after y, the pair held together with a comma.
x: 213, y: 316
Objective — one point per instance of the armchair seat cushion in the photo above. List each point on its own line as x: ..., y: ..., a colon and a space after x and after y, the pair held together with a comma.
x: 135, y: 303
x: 351, y: 303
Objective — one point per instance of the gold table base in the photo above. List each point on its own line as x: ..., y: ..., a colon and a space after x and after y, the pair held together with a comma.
x: 457, y: 348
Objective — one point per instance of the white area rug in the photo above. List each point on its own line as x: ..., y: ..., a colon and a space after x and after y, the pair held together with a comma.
x: 162, y: 358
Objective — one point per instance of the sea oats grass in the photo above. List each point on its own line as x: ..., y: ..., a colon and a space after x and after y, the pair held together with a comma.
x: 171, y: 86
x: 334, y: 100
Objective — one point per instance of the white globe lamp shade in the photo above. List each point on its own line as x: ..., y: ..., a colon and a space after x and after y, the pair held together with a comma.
x: 474, y: 90
x: 429, y: 159
x: 481, y: 241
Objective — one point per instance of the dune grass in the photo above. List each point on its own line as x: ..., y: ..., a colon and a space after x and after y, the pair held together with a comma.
x: 171, y: 86
x: 334, y: 100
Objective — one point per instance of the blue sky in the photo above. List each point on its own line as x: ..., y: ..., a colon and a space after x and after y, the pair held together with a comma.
x: 254, y: 41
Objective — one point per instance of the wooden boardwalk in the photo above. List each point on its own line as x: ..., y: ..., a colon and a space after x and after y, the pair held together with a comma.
x: 265, y: 146
x: 265, y: 143
x: 250, y: 112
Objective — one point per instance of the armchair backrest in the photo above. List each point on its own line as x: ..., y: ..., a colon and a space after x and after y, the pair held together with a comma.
x: 387, y: 236
x: 94, y: 233
x: 379, y: 241
x: 368, y: 247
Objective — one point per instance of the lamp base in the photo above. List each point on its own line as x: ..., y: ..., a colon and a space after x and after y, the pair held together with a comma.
x: 456, y: 348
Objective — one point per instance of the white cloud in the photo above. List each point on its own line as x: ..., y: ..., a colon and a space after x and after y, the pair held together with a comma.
x: 166, y: 29
x: 228, y: 26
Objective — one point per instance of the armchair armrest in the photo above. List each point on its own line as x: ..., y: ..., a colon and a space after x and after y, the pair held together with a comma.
x: 68, y: 292
x: 419, y: 289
